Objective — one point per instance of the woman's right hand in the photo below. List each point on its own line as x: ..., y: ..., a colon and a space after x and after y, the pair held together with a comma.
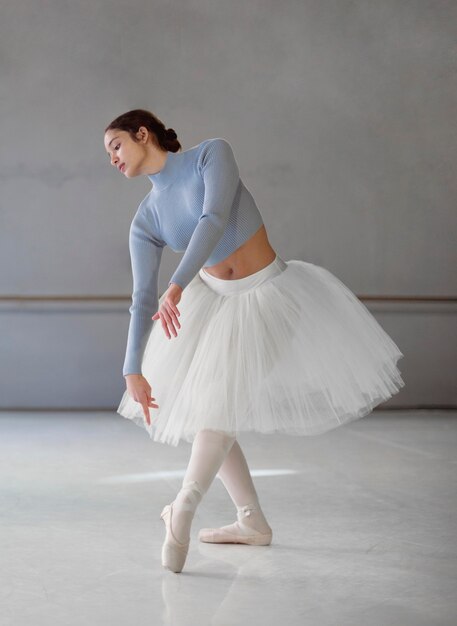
x: 140, y: 390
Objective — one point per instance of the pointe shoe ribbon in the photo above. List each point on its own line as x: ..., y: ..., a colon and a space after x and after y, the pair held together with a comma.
x: 245, y: 511
x: 174, y: 552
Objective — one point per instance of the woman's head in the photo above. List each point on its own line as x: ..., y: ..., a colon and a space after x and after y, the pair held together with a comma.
x: 138, y: 141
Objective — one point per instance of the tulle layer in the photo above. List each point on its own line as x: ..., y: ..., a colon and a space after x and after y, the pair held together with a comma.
x: 298, y: 354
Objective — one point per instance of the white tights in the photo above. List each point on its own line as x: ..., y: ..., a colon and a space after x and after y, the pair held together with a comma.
x: 236, y: 478
x: 215, y: 452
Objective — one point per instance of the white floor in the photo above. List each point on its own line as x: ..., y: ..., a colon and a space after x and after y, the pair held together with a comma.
x: 363, y: 518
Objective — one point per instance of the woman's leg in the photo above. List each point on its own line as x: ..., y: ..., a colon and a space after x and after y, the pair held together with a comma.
x: 209, y: 449
x: 236, y: 478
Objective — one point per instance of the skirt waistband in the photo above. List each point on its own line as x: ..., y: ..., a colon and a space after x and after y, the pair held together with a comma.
x: 239, y: 285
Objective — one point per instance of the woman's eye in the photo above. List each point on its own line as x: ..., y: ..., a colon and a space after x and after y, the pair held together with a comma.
x: 117, y: 146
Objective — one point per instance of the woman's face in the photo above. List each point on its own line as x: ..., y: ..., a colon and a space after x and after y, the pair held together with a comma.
x: 125, y: 154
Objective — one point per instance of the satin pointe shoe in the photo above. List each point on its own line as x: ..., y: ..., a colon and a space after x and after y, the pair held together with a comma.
x: 238, y: 532
x: 174, y: 553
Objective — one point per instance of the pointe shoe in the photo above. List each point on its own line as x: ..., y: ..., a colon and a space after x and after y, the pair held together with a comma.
x: 174, y: 553
x: 237, y: 532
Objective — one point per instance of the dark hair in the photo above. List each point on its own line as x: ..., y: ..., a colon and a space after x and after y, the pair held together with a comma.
x: 131, y: 121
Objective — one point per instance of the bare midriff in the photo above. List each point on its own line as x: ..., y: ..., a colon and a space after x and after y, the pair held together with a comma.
x: 252, y: 256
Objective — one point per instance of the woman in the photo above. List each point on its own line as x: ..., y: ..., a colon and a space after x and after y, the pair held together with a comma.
x: 256, y: 343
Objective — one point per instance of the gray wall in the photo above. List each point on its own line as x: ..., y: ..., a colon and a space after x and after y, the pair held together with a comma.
x: 342, y: 118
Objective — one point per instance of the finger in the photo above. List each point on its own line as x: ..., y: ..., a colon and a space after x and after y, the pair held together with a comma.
x: 152, y: 403
x: 170, y: 323
x: 151, y: 400
x: 173, y: 320
x: 173, y: 311
x: 146, y: 413
x: 164, y: 325
x: 175, y: 308
x: 144, y: 401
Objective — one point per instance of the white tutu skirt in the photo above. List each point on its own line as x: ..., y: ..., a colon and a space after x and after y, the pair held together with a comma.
x: 289, y: 349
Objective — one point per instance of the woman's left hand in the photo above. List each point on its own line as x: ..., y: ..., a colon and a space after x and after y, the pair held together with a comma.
x: 168, y: 311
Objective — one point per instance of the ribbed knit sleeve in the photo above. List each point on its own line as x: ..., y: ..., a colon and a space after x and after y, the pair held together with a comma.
x: 145, y: 253
x: 221, y: 180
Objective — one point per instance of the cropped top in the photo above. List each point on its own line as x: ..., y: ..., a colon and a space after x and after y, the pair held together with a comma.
x: 197, y: 204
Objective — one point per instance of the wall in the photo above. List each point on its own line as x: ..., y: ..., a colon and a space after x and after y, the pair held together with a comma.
x: 341, y: 117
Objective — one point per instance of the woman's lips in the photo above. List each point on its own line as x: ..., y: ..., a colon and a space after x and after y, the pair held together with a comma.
x: 122, y: 167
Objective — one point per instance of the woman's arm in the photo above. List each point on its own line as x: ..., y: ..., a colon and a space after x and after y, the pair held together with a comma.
x: 145, y: 253
x: 221, y: 178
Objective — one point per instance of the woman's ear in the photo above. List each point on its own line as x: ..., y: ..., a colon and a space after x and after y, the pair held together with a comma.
x: 142, y: 134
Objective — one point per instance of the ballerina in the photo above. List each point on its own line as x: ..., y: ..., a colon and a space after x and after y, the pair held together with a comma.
x: 245, y: 341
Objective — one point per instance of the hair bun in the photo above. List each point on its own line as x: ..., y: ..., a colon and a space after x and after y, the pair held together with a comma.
x: 171, y: 133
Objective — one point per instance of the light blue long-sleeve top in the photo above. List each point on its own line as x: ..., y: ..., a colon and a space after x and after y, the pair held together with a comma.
x: 197, y: 204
